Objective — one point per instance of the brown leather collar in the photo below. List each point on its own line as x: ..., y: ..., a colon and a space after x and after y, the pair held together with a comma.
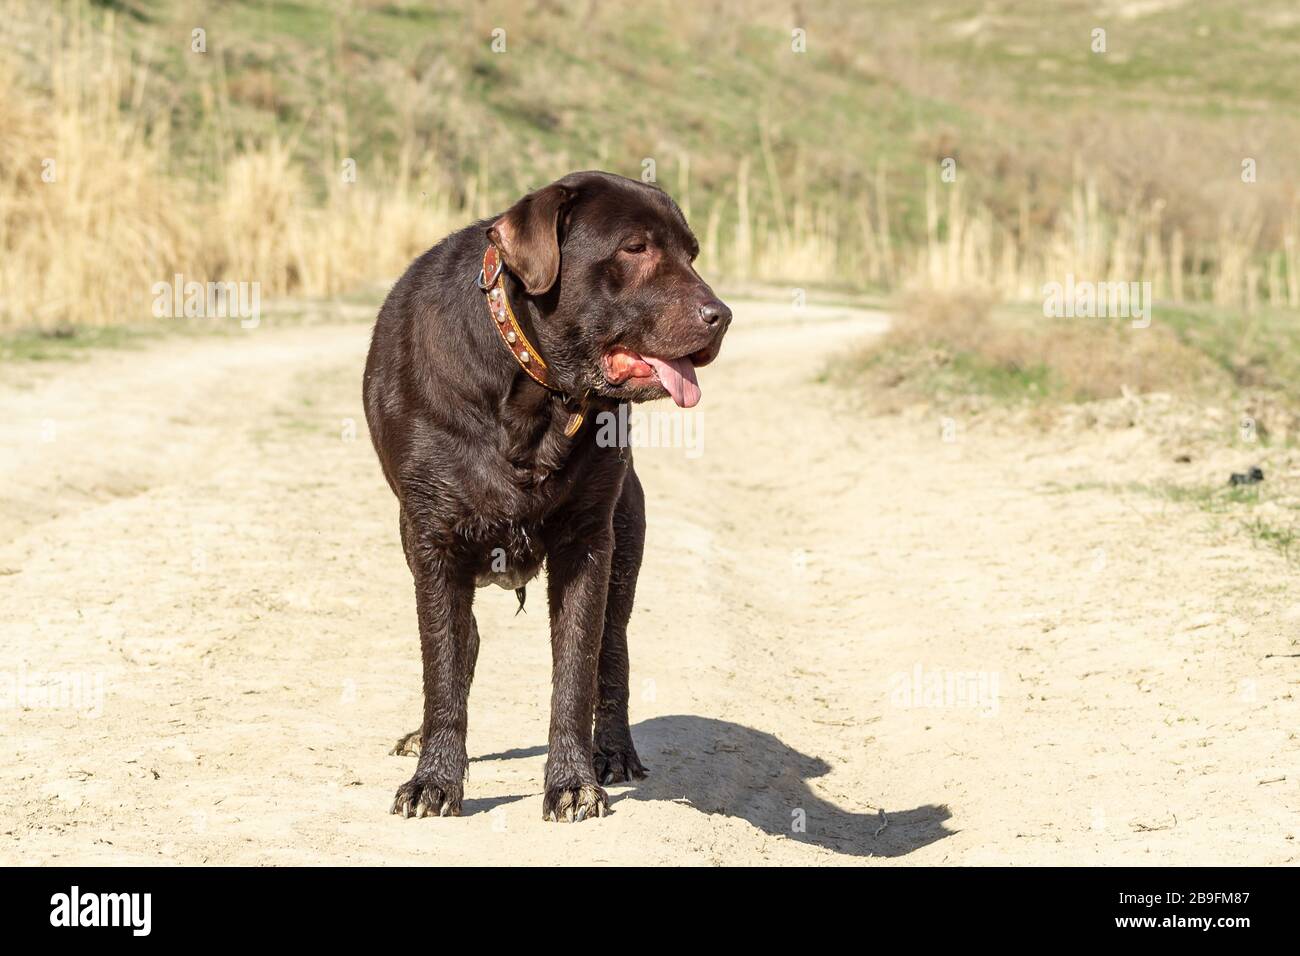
x: 491, y: 279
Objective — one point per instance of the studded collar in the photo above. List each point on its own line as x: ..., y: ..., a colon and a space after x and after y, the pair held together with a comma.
x: 491, y: 280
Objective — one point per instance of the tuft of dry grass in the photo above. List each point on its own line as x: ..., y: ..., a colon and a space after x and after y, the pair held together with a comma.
x: 946, y: 346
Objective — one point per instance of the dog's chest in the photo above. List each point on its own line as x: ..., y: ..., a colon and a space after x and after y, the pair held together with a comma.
x: 513, y: 529
x: 509, y: 535
x: 513, y: 555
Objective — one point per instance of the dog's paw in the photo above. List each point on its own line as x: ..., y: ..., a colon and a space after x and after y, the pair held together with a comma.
x: 408, y: 745
x: 422, y: 797
x: 618, y: 764
x: 574, y: 804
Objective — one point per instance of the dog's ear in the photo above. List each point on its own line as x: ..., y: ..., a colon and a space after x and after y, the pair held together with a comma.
x: 528, y: 238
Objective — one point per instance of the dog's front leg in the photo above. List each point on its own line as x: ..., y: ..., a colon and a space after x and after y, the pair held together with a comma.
x: 578, y: 582
x: 444, y: 604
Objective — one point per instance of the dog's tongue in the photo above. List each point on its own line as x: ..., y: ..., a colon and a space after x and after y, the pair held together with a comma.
x: 678, y: 376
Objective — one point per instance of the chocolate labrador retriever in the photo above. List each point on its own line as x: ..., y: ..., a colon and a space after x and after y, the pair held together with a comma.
x: 493, y: 361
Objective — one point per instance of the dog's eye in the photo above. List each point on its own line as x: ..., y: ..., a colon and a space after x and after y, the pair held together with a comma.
x: 635, y: 248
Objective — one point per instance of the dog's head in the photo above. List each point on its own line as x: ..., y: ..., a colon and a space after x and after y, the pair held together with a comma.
x: 608, y: 262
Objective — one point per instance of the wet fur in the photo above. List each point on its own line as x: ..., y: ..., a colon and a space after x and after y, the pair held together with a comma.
x: 476, y: 454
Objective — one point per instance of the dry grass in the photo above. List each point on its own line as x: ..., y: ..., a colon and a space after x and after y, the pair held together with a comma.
x: 116, y: 216
x: 92, y: 213
x: 956, y: 346
x: 967, y: 247
x: 146, y: 185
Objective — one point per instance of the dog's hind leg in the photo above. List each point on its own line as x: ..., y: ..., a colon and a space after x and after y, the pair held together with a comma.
x: 612, y: 751
x: 408, y: 745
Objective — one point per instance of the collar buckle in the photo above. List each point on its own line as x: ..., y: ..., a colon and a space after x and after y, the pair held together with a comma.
x: 491, y: 260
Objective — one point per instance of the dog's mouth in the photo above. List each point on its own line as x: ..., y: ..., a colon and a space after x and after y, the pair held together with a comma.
x: 622, y: 366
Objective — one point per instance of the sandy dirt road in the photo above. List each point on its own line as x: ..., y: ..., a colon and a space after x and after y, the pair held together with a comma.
x: 855, y: 642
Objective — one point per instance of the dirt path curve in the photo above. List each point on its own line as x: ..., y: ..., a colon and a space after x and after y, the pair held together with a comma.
x: 855, y: 642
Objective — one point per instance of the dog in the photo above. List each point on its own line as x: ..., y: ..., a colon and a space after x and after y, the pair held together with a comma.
x: 492, y: 359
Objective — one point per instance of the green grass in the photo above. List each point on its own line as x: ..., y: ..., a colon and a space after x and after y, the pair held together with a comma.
x: 77, y: 343
x: 1280, y: 538
x: 1011, y: 90
x: 1234, y: 502
x: 1214, y: 55
x: 73, y: 343
x: 565, y: 90
x: 1213, y: 499
x: 943, y: 348
x: 584, y: 86
x: 971, y: 372
x: 959, y: 374
x: 1256, y: 351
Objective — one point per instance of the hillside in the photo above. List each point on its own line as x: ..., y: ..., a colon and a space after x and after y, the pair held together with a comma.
x: 816, y: 165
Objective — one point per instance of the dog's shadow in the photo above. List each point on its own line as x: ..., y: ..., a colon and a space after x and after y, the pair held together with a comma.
x: 717, y: 766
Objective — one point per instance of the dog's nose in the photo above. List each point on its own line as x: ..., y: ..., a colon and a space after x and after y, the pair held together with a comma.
x: 713, y: 312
